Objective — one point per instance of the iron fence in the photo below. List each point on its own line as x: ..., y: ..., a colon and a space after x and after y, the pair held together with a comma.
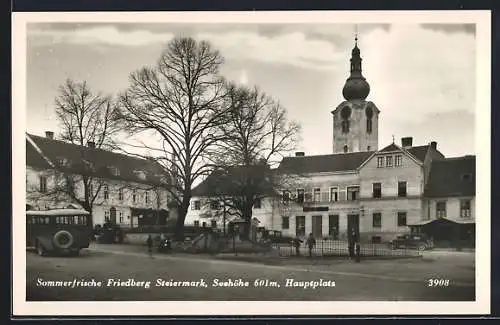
x: 334, y: 248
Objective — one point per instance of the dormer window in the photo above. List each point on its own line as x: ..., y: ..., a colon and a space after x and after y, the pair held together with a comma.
x: 114, y: 171
x: 63, y: 162
x: 141, y: 174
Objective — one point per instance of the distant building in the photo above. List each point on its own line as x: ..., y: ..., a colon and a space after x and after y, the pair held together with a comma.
x: 128, y: 191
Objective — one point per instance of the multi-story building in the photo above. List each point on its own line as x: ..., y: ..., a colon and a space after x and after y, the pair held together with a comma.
x: 378, y: 194
x: 123, y: 190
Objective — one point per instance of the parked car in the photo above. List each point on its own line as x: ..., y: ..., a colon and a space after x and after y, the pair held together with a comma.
x: 418, y: 241
x: 277, y: 237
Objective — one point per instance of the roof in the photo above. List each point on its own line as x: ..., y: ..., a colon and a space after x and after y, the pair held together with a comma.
x: 33, y: 157
x: 452, y: 177
x: 254, y: 179
x: 100, y: 160
x: 419, y: 152
x: 323, y: 163
x: 390, y: 148
x: 56, y: 212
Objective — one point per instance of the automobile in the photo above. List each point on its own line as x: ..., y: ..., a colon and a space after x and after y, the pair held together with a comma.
x: 277, y: 237
x: 58, y: 231
x: 418, y: 241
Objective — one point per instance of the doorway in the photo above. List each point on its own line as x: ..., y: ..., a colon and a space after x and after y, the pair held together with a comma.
x: 352, y: 226
x: 317, y: 226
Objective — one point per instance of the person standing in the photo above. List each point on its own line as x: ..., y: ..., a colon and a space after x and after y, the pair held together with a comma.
x: 149, y: 241
x: 311, y: 242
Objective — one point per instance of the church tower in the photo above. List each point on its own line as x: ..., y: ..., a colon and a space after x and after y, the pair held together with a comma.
x: 355, y: 120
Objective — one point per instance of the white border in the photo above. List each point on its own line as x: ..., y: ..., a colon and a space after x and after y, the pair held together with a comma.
x: 482, y: 19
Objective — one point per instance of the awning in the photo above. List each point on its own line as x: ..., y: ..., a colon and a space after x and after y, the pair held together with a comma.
x: 426, y: 222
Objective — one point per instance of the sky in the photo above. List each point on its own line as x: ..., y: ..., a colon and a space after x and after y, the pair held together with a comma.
x: 422, y: 76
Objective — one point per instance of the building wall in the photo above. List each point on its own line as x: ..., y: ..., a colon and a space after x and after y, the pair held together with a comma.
x: 101, y: 204
x: 357, y: 139
x: 452, y: 207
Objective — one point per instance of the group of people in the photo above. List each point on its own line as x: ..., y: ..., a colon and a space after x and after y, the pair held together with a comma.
x: 354, y: 245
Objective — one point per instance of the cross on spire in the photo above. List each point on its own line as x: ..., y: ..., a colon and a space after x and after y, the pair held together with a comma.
x: 356, y: 34
x: 393, y: 138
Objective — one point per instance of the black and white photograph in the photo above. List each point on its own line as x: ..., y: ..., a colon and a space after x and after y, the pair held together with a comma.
x: 258, y: 163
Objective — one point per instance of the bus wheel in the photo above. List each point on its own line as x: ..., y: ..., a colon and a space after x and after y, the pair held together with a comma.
x: 40, y: 250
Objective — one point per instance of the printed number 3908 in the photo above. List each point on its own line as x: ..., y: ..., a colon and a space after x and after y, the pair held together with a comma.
x: 438, y: 282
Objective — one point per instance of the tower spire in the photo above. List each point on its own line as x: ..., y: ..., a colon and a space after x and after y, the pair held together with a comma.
x: 356, y: 87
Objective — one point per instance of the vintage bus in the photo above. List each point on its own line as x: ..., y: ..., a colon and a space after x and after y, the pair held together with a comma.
x: 58, y: 231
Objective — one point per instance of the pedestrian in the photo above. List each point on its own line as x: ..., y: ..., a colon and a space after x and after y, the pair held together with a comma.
x: 311, y: 242
x: 149, y: 241
x: 358, y: 251
x: 351, y: 241
x: 296, y: 242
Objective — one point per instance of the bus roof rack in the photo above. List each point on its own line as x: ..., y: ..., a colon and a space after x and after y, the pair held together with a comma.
x: 55, y: 212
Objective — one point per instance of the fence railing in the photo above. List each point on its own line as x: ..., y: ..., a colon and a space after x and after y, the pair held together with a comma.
x: 331, y: 248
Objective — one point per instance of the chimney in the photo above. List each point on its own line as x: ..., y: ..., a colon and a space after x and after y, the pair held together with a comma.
x: 49, y: 134
x: 91, y: 144
x: 406, y: 142
x: 300, y: 154
x: 434, y: 145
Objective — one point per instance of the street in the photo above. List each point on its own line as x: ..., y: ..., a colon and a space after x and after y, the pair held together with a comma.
x: 132, y: 275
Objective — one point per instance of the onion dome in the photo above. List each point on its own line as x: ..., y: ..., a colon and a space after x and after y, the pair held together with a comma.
x: 356, y: 86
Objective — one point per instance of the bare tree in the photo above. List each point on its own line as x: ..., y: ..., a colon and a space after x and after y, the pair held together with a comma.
x: 85, y: 118
x: 179, y: 101
x: 256, y: 137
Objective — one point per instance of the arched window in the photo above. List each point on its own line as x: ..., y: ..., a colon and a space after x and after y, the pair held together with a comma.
x: 369, y: 116
x: 346, y: 149
x: 345, y: 114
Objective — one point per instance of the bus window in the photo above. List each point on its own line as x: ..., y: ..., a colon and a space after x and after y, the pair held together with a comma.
x: 47, y: 220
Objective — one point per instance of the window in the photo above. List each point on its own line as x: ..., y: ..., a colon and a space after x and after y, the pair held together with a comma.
x: 398, y: 161
x: 120, y: 214
x: 346, y: 148
x: 286, y: 197
x: 257, y: 203
x: 146, y: 197
x: 196, y: 205
x: 353, y: 193
x: 214, y: 224
x: 377, y: 220
x: 141, y: 174
x: 401, y: 189
x: 300, y: 195
x: 106, y: 192
x: 377, y: 190
x: 120, y: 194
x: 43, y: 184
x: 214, y: 205
x: 106, y: 216
x: 197, y: 222
x: 441, y: 209
x: 334, y: 194
x: 401, y: 219
x: 317, y: 195
x: 466, y: 177
x: 300, y: 225
x: 465, y: 209
x: 388, y: 161
x: 285, y: 222
x: 369, y: 125
x: 333, y: 226
x: 380, y: 162
x: 368, y: 148
x: 114, y: 171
